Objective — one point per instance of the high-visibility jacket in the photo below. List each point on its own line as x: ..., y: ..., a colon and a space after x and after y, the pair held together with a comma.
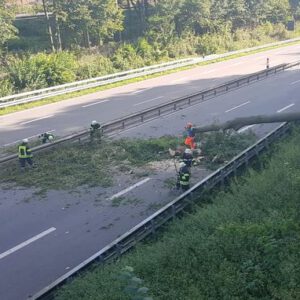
x: 184, y: 176
x: 190, y: 142
x: 24, y: 151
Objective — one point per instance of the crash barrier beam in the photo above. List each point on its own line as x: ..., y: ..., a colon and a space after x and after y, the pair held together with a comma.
x: 152, y: 113
x: 150, y: 225
x: 40, y: 94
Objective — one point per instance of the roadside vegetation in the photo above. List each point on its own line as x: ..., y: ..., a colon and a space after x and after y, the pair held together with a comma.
x: 108, y: 38
x: 95, y: 164
x: 240, y: 243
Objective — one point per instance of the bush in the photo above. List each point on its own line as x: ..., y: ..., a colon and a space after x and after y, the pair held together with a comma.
x: 90, y: 66
x: 126, y: 58
x: 58, y: 68
x: 29, y: 72
x: 6, y: 88
x: 25, y: 74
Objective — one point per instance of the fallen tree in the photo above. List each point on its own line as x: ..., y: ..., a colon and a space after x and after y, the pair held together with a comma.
x: 238, y: 123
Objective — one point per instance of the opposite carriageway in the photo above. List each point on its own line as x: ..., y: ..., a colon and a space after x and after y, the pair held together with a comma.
x: 147, y: 115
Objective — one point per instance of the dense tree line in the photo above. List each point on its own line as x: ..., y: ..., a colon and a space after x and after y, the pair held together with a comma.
x: 95, y: 37
x: 94, y: 22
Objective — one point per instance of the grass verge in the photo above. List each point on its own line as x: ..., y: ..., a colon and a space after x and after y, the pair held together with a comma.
x: 244, y: 245
x: 95, y: 164
x: 12, y: 109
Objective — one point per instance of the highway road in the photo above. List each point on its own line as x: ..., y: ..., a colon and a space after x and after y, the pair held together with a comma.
x: 43, y: 238
x: 75, y: 114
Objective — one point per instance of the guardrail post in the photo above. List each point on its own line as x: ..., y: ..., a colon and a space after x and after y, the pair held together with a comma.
x: 266, y: 143
x: 152, y: 226
x: 159, y: 112
x: 118, y: 249
x: 222, y: 175
x: 175, y: 106
x: 257, y: 77
x: 234, y: 167
x: 123, y: 124
x: 142, y: 118
x: 215, y: 92
x: 238, y: 83
x: 246, y: 159
x: 256, y: 151
x: 189, y: 101
x: 173, y: 211
x: 227, y: 88
x: 100, y: 259
x: 202, y: 97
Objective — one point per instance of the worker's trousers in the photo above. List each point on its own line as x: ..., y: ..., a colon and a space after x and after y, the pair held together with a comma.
x: 23, y: 161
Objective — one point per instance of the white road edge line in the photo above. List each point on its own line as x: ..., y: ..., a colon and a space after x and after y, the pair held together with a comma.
x: 209, y: 71
x: 129, y: 188
x: 181, y: 79
x: 31, y: 121
x: 238, y: 106
x: 237, y: 63
x: 286, y: 107
x: 26, y: 243
x: 30, y: 137
x: 137, y: 92
x: 140, y: 103
x: 245, y: 128
x: 91, y: 104
x: 294, y: 82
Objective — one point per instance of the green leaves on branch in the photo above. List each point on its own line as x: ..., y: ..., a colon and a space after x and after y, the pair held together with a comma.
x: 90, y: 22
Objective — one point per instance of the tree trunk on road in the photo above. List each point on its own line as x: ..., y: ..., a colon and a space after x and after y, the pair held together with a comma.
x: 238, y: 123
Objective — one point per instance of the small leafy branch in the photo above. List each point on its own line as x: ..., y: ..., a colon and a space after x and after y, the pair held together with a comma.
x: 133, y: 286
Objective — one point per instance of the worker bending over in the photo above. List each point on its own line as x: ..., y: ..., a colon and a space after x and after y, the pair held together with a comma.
x: 187, y: 157
x: 95, y: 130
x: 46, y: 137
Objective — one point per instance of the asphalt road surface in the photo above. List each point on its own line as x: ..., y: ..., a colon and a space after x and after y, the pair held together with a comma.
x: 75, y: 114
x: 43, y: 238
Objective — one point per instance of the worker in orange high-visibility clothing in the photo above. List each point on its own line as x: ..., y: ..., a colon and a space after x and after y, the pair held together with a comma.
x: 190, y: 139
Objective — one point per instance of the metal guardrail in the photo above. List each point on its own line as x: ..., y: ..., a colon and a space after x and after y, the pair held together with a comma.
x: 150, y: 225
x: 163, y: 109
x: 90, y: 83
x: 112, y: 78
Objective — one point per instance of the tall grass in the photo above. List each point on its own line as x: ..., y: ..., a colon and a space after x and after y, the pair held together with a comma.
x: 244, y: 245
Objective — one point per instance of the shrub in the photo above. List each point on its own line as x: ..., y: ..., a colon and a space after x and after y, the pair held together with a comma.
x: 25, y: 74
x: 41, y: 70
x: 126, y: 58
x: 6, y: 88
x: 58, y: 68
x: 94, y: 65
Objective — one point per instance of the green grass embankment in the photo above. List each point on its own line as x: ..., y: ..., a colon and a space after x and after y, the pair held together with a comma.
x: 245, y: 244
